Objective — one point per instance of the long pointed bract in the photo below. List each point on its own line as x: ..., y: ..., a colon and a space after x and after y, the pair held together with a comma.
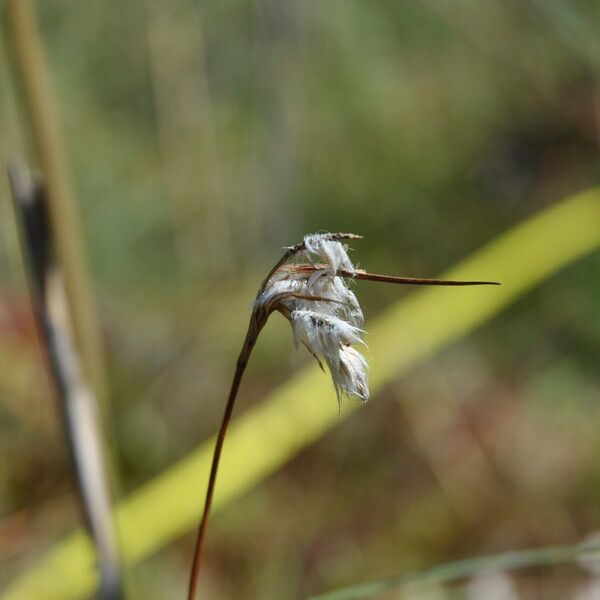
x: 359, y: 274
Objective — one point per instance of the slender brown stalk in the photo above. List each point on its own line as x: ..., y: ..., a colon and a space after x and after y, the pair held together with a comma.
x: 258, y: 320
x: 242, y: 361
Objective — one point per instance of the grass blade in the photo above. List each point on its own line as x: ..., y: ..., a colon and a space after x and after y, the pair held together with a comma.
x: 461, y: 569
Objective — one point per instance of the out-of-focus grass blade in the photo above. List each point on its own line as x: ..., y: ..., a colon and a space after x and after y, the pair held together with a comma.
x: 461, y: 569
x: 303, y: 409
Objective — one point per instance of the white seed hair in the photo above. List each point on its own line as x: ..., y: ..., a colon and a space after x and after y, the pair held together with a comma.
x: 281, y: 289
x: 331, y: 252
x: 324, y: 313
x: 324, y: 335
x: 351, y: 377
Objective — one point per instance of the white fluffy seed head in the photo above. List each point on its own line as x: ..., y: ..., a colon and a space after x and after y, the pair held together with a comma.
x: 325, y: 314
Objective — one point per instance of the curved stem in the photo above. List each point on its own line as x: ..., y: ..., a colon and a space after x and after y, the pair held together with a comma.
x: 257, y: 322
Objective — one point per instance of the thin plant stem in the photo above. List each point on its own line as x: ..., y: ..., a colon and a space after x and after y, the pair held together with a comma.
x: 258, y: 320
x: 251, y: 337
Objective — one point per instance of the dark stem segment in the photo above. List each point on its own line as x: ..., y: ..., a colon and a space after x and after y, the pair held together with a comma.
x: 257, y: 322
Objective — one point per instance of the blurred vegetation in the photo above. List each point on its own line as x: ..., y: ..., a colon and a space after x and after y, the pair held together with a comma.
x: 206, y: 135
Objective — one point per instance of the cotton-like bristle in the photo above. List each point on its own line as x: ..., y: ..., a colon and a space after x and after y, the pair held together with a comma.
x: 331, y: 252
x: 346, y: 305
x: 325, y: 314
x: 350, y: 379
x: 282, y: 286
x: 324, y: 335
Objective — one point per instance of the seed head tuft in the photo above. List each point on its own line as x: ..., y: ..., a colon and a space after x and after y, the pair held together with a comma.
x: 332, y: 252
x: 324, y: 313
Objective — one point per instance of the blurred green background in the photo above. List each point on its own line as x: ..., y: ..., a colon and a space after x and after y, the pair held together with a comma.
x: 204, y: 136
